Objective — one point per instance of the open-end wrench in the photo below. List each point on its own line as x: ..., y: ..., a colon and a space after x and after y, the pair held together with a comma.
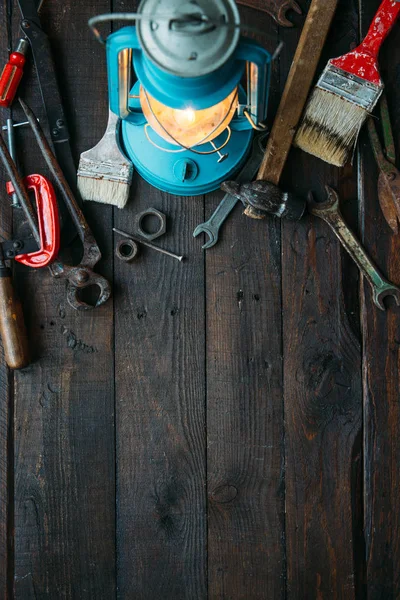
x: 228, y: 202
x: 276, y: 8
x: 329, y: 212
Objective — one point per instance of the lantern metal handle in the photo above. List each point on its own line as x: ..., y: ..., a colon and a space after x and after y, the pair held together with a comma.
x: 119, y: 61
x: 258, y: 78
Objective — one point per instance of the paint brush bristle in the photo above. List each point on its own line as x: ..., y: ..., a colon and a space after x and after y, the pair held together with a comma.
x: 335, y: 113
x: 105, y: 191
x: 330, y: 127
x: 346, y: 94
x: 105, y: 173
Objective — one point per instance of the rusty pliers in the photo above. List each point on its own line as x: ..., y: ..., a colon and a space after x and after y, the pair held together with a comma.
x: 389, y: 176
x: 82, y: 275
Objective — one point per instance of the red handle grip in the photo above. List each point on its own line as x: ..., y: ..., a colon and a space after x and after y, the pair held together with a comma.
x: 12, y: 75
x: 381, y: 25
x: 362, y: 61
x: 49, y: 224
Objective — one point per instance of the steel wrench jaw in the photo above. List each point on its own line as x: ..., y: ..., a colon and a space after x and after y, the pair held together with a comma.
x: 380, y: 295
x: 212, y: 238
x: 321, y: 209
x: 286, y: 6
x: 83, y: 278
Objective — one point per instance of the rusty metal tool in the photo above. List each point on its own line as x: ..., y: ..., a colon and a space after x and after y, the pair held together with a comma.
x: 36, y: 38
x: 140, y: 240
x: 294, y: 97
x: 276, y: 8
x: 329, y: 211
x: 78, y: 277
x: 389, y: 176
x: 213, y: 225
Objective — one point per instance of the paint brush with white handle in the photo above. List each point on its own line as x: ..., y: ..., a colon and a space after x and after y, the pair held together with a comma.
x: 105, y: 173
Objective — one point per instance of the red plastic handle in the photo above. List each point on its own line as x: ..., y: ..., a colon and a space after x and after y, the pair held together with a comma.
x: 381, y: 25
x: 49, y: 224
x: 10, y: 78
x: 362, y: 61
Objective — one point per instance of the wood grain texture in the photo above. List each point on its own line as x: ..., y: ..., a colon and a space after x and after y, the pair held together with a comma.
x: 381, y: 331
x: 305, y: 60
x: 160, y: 409
x: 245, y: 432
x: 160, y: 406
x: 12, y: 325
x: 322, y: 385
x: 6, y: 396
x: 64, y: 421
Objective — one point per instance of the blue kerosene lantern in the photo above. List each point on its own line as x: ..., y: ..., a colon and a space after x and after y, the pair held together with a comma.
x: 187, y: 123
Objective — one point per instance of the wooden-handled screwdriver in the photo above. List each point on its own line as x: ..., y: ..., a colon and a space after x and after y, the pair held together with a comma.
x: 12, y: 324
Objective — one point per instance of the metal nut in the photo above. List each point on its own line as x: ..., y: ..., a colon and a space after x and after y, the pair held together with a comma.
x: 126, y: 250
x: 152, y: 212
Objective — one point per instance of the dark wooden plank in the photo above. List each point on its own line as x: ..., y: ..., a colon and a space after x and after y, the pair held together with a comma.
x: 6, y: 383
x: 160, y: 407
x: 381, y: 332
x: 160, y: 412
x: 245, y: 429
x: 64, y: 422
x: 322, y: 382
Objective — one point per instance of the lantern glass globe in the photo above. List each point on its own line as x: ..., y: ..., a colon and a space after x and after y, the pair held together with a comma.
x: 188, y: 127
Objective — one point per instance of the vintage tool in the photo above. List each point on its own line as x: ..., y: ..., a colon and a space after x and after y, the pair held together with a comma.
x: 12, y: 74
x: 26, y: 252
x: 105, y: 173
x: 212, y: 226
x: 139, y: 220
x: 78, y: 277
x: 127, y: 250
x: 276, y: 8
x: 346, y: 93
x: 48, y: 221
x: 12, y: 324
x: 389, y: 176
x: 187, y: 107
x: 299, y: 81
x: 329, y: 211
x: 267, y: 198
x: 13, y: 152
x: 147, y: 244
x: 39, y: 43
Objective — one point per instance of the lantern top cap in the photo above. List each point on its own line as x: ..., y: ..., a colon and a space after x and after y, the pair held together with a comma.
x: 191, y: 38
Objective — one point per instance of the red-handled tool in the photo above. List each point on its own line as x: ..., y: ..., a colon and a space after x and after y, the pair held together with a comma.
x: 49, y: 225
x: 12, y: 74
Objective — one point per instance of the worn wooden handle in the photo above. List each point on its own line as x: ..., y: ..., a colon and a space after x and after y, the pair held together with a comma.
x: 299, y: 81
x: 12, y: 325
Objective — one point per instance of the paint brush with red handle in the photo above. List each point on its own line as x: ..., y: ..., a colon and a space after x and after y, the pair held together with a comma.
x: 346, y: 93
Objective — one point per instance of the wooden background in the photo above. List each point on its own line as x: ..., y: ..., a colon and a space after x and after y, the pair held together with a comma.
x: 223, y: 428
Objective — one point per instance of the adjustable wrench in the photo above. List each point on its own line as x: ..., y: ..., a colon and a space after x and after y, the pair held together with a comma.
x: 228, y: 202
x: 329, y: 212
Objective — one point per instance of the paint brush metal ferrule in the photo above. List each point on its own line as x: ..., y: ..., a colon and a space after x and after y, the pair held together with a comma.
x: 350, y: 87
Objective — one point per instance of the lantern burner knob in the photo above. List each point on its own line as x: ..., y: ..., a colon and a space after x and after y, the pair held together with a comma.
x: 185, y: 170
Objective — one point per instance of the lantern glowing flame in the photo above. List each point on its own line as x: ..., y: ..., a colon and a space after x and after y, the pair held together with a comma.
x: 188, y: 127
